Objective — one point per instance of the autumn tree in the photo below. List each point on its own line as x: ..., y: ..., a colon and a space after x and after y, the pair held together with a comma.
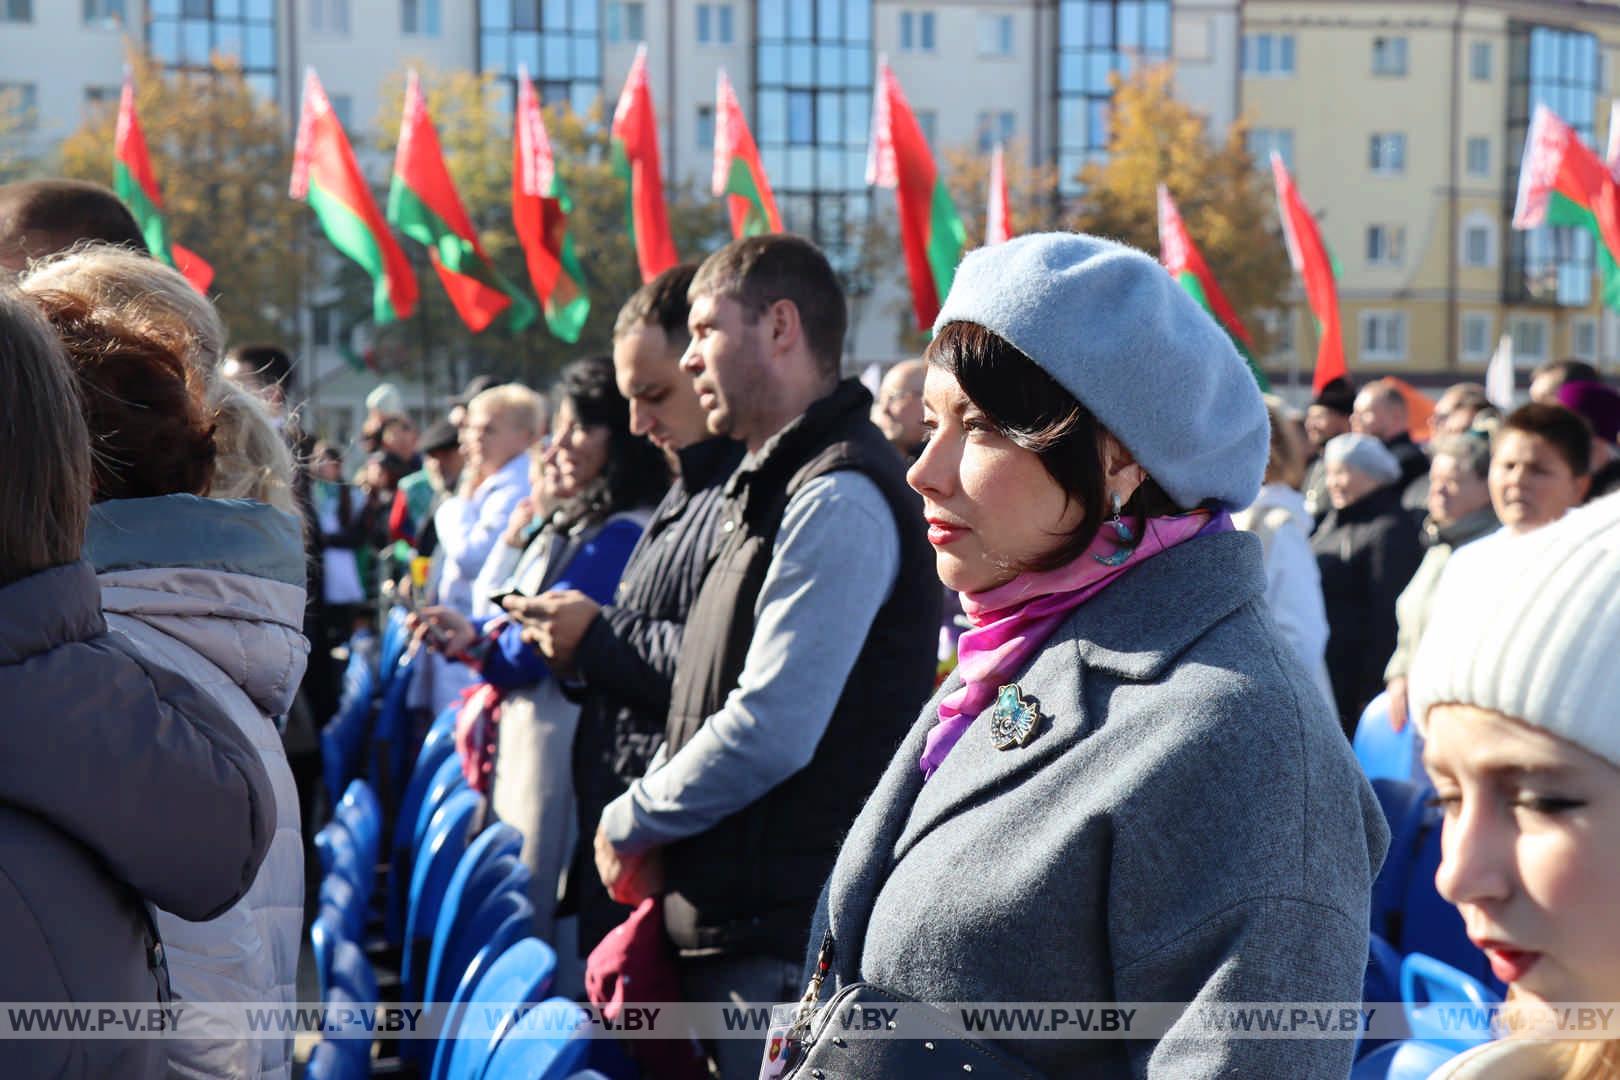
x: 473, y: 117
x: 1032, y: 190
x: 222, y: 155
x: 1224, y: 196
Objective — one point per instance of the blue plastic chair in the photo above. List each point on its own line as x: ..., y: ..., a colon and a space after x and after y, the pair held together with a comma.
x: 339, y: 894
x: 391, y: 739
x: 344, y: 737
x: 521, y: 975
x: 448, y: 779
x: 1427, y: 987
x: 516, y: 917
x: 479, y: 865
x: 362, y: 813
x: 395, y: 640
x: 327, y: 1062
x: 1384, y: 753
x: 352, y: 972
x: 324, y: 934
x: 447, y: 840
x: 341, y: 855
x: 536, y: 1054
x: 436, y: 747
x: 348, y: 1036
x: 1407, y: 1060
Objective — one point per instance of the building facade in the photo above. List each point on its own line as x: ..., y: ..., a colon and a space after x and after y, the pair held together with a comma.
x: 1404, y: 125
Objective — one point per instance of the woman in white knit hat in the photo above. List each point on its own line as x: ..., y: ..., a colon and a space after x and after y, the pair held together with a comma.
x: 1514, y: 689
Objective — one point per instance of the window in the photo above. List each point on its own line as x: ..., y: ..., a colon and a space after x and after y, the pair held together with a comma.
x: 419, y: 17
x: 996, y: 127
x: 324, y: 325
x: 1476, y: 336
x: 705, y: 128
x: 1551, y: 264
x: 995, y: 35
x: 329, y: 16
x: 813, y: 72
x: 20, y: 101
x: 1477, y: 246
x: 107, y: 13
x: 1096, y: 39
x: 1529, y: 340
x: 1583, y: 339
x: 184, y: 36
x: 714, y: 24
x: 16, y: 10
x: 1383, y: 335
x: 560, y: 41
x: 928, y: 120
x: 1386, y: 245
x: 1389, y: 56
x: 626, y: 22
x: 98, y: 98
x: 916, y: 31
x: 1479, y: 61
x: 1386, y: 154
x: 1268, y: 54
x: 1262, y: 141
x: 1479, y: 156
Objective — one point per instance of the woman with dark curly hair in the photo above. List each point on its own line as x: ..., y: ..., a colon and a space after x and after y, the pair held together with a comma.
x: 596, y: 485
x: 212, y: 588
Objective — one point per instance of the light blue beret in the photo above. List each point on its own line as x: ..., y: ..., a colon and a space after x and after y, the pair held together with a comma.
x: 1116, y: 331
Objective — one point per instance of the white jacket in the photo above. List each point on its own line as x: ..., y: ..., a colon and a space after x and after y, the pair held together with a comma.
x: 206, y: 588
x: 1293, y: 582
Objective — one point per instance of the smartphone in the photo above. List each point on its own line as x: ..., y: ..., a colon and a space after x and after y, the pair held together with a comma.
x: 497, y: 598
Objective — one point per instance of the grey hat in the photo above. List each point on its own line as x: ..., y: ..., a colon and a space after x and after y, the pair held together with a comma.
x: 1116, y: 331
x: 1363, y: 453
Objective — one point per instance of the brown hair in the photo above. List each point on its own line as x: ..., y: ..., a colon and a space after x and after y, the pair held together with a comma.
x: 142, y: 402
x: 757, y: 271
x: 1286, y: 465
x: 45, y: 498
x: 1567, y: 432
x: 1032, y: 411
x: 41, y: 217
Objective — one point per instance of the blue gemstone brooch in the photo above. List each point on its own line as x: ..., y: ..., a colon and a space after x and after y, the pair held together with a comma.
x: 1015, y: 719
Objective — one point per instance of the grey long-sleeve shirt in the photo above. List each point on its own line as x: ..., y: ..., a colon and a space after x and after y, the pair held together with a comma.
x: 833, y: 565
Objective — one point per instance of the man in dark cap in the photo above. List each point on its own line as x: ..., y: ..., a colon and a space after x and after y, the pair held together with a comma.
x: 1327, y: 417
x: 1601, y: 408
x: 419, y: 495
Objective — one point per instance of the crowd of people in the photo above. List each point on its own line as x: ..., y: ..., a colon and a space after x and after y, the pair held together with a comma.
x: 1033, y: 679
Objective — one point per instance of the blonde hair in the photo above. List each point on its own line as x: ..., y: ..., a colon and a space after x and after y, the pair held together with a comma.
x: 123, y: 287
x: 1286, y: 464
x: 45, y: 497
x: 517, y: 401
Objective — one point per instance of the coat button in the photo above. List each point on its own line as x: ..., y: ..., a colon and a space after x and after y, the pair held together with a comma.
x: 728, y: 526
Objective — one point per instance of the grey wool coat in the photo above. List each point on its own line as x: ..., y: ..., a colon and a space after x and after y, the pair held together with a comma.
x: 1188, y: 824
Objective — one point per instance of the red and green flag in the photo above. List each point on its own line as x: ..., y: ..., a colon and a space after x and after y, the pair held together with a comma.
x: 931, y: 231
x: 1563, y: 182
x: 136, y: 184
x: 998, y: 216
x: 423, y: 204
x: 1186, y: 264
x: 540, y: 209
x: 1310, y: 259
x: 739, y: 174
x: 635, y: 159
x: 326, y: 176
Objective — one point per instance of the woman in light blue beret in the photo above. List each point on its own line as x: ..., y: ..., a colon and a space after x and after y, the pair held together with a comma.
x: 1130, y: 790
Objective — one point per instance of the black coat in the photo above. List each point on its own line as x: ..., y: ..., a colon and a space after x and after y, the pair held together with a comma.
x: 1366, y: 552
x: 627, y: 661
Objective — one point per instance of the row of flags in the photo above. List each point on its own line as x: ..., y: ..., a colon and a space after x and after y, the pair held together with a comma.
x: 1562, y: 182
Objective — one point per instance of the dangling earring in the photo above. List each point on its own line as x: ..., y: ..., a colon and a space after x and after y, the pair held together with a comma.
x: 1124, y: 538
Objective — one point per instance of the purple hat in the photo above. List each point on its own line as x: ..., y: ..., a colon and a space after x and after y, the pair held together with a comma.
x: 1597, y: 403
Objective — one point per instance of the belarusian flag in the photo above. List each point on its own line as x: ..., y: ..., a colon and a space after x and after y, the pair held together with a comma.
x: 998, y: 217
x: 1186, y: 264
x: 540, y: 209
x: 137, y: 185
x: 327, y: 177
x: 1310, y: 259
x: 738, y: 171
x: 635, y: 158
x: 931, y: 231
x: 423, y: 204
x: 1562, y: 182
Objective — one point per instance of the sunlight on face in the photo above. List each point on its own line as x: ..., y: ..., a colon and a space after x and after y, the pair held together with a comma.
x: 1531, y: 851
x: 991, y: 505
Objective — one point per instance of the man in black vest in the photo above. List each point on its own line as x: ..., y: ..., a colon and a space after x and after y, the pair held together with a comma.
x: 807, y: 654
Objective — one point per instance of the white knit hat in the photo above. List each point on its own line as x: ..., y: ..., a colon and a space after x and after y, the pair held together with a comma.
x: 1529, y: 626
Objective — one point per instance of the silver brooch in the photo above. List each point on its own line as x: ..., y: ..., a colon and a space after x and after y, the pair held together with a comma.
x: 1015, y: 719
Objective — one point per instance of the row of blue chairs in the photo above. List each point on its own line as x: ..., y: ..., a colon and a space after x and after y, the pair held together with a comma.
x: 371, y: 734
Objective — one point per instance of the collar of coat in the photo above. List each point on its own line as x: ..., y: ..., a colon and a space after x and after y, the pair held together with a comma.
x: 47, y: 609
x: 235, y: 536
x: 783, y: 453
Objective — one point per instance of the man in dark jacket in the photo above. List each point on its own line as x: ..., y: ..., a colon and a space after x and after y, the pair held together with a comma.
x: 1382, y: 413
x: 807, y: 653
x: 624, y: 654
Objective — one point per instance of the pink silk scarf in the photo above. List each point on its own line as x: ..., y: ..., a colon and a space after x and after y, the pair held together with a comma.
x: 1011, y: 621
